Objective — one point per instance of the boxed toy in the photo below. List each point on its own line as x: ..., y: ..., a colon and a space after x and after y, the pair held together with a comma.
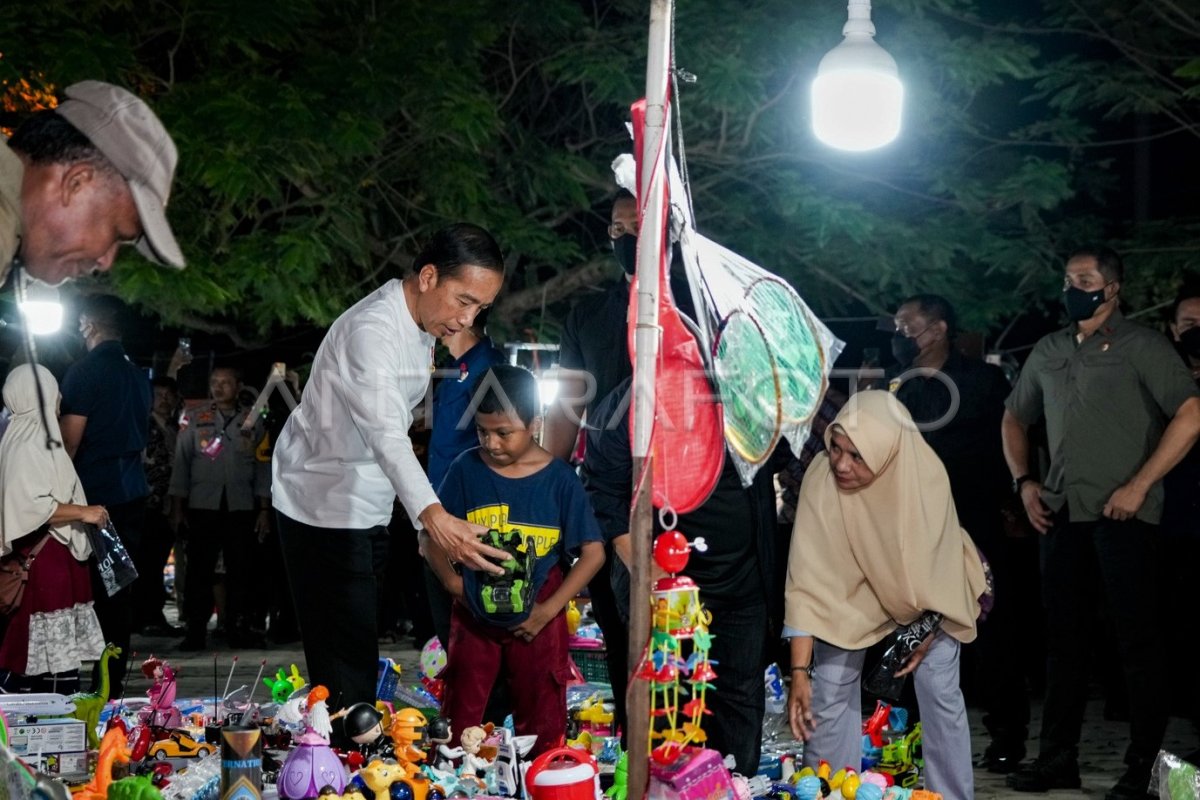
x: 698, y: 775
x: 55, y: 746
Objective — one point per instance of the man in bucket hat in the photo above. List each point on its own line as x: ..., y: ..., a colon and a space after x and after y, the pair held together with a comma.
x: 78, y: 181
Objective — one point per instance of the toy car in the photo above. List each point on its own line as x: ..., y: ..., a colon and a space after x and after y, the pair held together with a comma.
x: 180, y: 744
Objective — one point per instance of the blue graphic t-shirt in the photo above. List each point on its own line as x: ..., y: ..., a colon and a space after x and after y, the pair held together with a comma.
x: 542, y: 519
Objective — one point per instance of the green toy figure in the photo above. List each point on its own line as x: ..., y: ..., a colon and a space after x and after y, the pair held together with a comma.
x: 88, y: 705
x: 619, y: 790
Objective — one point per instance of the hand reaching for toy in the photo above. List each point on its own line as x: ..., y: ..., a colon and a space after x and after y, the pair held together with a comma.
x: 460, y: 540
x: 538, y: 617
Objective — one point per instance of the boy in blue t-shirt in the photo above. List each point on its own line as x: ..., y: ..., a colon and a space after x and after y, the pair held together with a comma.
x: 538, y: 511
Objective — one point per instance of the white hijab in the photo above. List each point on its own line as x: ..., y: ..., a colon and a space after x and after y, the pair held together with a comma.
x: 35, y: 480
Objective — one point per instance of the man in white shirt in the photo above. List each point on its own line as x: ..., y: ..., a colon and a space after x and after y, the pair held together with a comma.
x: 345, y: 454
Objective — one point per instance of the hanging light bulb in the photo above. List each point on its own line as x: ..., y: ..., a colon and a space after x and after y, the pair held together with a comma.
x: 857, y: 96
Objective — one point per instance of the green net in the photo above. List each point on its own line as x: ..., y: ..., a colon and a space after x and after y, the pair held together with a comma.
x: 749, y: 386
x: 799, y: 358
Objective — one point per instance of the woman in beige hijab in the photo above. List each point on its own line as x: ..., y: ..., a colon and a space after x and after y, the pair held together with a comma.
x: 876, y: 545
x: 42, y: 513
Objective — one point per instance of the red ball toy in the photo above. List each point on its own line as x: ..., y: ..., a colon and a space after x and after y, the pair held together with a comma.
x: 671, y: 551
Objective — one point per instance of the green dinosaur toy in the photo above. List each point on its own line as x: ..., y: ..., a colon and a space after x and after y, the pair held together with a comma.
x: 89, y: 704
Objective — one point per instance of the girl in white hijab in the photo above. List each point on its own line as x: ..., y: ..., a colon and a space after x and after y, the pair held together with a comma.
x: 54, y: 628
x: 876, y: 545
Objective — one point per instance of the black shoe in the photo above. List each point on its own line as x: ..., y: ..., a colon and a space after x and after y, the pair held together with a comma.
x: 1002, y: 758
x: 161, y: 629
x: 1135, y: 783
x: 1044, y: 774
x: 191, y: 644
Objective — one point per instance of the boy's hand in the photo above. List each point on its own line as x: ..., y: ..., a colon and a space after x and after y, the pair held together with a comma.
x: 533, y: 624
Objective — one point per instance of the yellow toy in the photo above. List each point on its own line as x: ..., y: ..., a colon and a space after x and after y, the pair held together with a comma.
x: 573, y: 617
x: 113, y: 750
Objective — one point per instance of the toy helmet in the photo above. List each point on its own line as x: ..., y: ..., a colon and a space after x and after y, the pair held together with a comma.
x: 439, y: 729
x: 408, y: 723
x: 361, y: 718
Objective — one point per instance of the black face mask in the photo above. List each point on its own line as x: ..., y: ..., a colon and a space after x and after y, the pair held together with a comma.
x: 904, y: 348
x: 1082, y: 305
x: 1189, y: 342
x: 625, y: 249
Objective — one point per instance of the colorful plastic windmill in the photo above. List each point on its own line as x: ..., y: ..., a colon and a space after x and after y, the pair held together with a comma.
x: 677, y: 616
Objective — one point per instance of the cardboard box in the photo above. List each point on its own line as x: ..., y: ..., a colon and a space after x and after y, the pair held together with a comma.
x: 53, y: 746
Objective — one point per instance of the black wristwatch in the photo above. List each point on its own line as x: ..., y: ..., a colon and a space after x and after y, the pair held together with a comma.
x: 1016, y: 484
x: 809, y: 670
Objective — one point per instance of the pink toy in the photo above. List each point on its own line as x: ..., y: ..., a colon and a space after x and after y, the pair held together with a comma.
x: 311, y: 765
x: 161, y: 713
x: 696, y: 775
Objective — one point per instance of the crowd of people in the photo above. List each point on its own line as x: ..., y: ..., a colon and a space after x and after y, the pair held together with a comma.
x: 908, y: 516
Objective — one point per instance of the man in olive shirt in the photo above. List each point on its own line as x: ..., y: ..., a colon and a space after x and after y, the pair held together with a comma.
x: 1120, y: 411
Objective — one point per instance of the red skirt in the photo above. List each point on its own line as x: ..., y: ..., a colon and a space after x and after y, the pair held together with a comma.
x: 55, y: 628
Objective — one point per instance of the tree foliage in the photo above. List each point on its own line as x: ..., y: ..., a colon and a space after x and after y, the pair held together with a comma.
x: 322, y: 140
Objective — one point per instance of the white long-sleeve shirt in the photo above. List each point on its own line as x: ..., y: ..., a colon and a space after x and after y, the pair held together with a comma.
x: 345, y: 454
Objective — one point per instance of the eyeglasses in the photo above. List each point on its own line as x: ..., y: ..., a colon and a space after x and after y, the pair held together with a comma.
x: 1086, y: 283
x: 906, y: 330
x: 619, y: 229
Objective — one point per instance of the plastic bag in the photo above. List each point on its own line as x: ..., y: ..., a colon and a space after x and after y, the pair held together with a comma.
x: 112, y: 559
x: 882, y: 682
x: 1172, y: 778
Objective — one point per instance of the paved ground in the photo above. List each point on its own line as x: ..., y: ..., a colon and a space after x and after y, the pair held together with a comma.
x: 1100, y: 754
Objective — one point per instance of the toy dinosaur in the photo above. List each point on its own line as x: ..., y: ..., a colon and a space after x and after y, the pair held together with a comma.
x: 134, y: 787
x: 113, y: 750
x: 88, y: 705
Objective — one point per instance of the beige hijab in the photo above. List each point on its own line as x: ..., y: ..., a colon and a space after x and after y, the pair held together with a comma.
x: 33, y: 479
x: 867, y: 561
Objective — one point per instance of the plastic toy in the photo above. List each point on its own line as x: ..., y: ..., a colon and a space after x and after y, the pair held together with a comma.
x: 902, y: 759
x: 407, y: 729
x: 439, y: 733
x: 112, y: 751
x: 594, y: 717
x: 433, y: 658
x: 512, y: 591
x: 504, y: 776
x: 363, y: 724
x: 677, y: 616
x: 89, y: 704
x: 180, y: 744
x: 311, y: 765
x: 563, y: 774
x: 474, y: 761
x: 161, y: 713
x: 134, y: 787
x: 619, y: 790
x: 282, y: 686
x: 573, y: 617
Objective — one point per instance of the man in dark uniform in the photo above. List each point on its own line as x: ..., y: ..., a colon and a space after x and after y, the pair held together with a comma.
x: 226, y: 492
x: 593, y: 360
x: 105, y: 425
x: 958, y: 402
